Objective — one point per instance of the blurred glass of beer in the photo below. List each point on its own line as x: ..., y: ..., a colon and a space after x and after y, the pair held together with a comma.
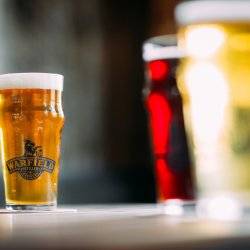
x: 214, y: 81
x: 31, y: 121
x: 164, y: 108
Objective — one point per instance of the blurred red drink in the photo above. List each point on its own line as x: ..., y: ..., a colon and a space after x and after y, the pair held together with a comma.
x: 164, y: 107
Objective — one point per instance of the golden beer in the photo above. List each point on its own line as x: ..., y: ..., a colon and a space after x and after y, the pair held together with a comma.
x: 31, y: 121
x: 214, y: 80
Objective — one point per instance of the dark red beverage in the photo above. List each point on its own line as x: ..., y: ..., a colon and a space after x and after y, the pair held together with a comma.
x: 169, y: 145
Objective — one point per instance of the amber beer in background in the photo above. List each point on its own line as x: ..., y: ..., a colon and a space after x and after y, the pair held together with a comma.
x: 174, y: 182
x: 215, y: 84
x: 31, y: 121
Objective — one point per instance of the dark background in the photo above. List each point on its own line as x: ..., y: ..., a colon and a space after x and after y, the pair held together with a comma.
x: 96, y: 45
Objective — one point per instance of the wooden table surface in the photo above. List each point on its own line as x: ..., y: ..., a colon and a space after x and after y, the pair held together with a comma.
x: 119, y: 227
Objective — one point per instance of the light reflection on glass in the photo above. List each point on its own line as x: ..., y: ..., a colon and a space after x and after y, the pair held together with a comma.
x: 203, y: 42
x: 209, y: 96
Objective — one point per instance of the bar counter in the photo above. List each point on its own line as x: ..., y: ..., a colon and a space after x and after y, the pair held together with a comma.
x: 118, y: 227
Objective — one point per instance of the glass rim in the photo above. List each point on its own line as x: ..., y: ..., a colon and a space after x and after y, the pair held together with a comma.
x: 31, y: 80
x: 191, y: 12
x: 161, y: 47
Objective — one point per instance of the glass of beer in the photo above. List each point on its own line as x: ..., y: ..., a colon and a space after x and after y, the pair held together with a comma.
x: 214, y: 80
x: 166, y: 126
x: 31, y: 121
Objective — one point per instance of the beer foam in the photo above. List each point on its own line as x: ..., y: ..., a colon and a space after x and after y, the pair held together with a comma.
x: 207, y: 11
x: 31, y: 81
x: 161, y: 47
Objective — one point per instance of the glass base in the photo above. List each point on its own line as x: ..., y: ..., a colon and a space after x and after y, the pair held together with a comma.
x: 13, y: 207
x: 224, y: 207
x: 178, y: 207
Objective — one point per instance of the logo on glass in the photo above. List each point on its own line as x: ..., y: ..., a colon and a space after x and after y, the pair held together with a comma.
x: 32, y: 164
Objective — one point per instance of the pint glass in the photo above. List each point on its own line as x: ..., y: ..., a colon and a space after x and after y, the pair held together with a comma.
x: 31, y: 121
x: 164, y: 108
x: 214, y: 81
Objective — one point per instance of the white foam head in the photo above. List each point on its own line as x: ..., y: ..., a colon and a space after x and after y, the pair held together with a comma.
x: 211, y: 10
x: 161, y: 47
x: 31, y: 81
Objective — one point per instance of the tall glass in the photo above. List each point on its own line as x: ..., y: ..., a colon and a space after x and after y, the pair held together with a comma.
x: 215, y: 85
x: 164, y: 108
x: 31, y: 121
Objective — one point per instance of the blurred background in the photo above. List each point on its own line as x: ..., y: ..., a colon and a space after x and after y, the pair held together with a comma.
x: 96, y: 45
